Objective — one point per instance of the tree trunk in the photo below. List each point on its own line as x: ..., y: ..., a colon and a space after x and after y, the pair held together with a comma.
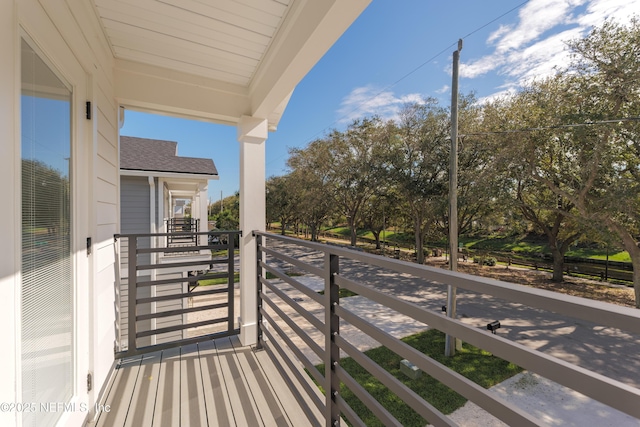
x: 419, y: 240
x: 352, y: 227
x: 631, y: 246
x: 634, y: 252
x: 314, y: 233
x: 635, y: 262
x: 283, y: 226
x: 376, y: 235
x: 558, y: 265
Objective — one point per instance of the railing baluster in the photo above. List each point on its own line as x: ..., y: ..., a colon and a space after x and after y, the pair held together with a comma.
x: 259, y: 258
x: 332, y: 328
x: 231, y: 282
x: 132, y: 283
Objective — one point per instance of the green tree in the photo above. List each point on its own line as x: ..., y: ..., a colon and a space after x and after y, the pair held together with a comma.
x: 311, y: 171
x: 356, y: 158
x: 601, y: 88
x: 282, y: 200
x: 378, y: 211
x: 229, y: 218
x: 520, y: 156
x: 479, y: 187
x: 418, y: 158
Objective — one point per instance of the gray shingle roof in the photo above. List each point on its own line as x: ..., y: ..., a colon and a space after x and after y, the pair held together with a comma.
x: 160, y: 156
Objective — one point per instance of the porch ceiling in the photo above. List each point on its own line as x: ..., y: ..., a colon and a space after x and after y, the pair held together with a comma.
x: 219, y: 59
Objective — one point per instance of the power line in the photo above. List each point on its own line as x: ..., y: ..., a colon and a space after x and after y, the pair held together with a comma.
x: 567, y: 126
x: 405, y: 76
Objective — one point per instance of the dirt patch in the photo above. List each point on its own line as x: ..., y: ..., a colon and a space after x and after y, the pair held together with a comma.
x: 538, y: 279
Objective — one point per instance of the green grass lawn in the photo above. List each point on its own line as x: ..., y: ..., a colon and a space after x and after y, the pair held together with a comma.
x: 219, y: 280
x: 504, y: 244
x: 236, y: 279
x: 616, y: 255
x: 475, y: 364
x: 388, y: 234
x: 343, y: 293
x: 518, y: 245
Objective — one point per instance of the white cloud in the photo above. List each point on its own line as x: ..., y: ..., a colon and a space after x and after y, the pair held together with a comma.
x: 443, y: 89
x: 499, y: 33
x: 482, y: 66
x: 510, y: 90
x: 536, y: 17
x: 369, y: 100
x: 535, y: 46
x: 599, y: 10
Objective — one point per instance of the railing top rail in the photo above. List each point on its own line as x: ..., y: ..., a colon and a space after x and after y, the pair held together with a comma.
x: 624, y: 318
x: 181, y: 233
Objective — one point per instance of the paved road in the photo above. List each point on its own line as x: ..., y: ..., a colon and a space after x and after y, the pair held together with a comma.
x: 605, y: 350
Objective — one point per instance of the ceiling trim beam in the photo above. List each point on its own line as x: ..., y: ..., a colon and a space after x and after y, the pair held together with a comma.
x: 152, y: 88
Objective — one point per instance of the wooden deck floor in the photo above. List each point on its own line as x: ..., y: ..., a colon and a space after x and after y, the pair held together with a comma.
x: 216, y: 383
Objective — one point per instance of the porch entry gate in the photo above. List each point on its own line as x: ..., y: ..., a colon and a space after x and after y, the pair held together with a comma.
x: 171, y: 295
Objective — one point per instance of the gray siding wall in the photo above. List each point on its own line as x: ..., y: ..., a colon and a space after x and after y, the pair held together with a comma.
x: 134, y: 205
x: 134, y: 218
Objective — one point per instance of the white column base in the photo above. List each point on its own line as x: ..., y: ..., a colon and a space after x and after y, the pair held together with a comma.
x: 248, y: 333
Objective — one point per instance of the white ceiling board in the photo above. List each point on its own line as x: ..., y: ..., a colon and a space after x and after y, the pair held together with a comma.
x: 260, y: 23
x: 273, y: 7
x: 234, y: 31
x: 184, y: 26
x: 180, y: 65
x: 202, y: 56
x: 218, y: 59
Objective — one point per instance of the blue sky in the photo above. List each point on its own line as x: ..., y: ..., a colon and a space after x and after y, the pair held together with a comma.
x: 399, y: 51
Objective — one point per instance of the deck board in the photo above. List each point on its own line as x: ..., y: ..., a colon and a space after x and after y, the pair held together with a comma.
x: 167, y: 407
x: 121, y: 393
x: 213, y: 383
x: 244, y: 408
x: 216, y: 398
x: 268, y: 406
x: 192, y: 407
x: 144, y: 394
x: 295, y: 412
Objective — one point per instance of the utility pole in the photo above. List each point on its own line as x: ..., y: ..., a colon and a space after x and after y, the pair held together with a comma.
x: 451, y: 343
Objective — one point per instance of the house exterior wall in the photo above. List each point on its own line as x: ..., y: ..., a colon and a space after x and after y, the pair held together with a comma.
x: 135, y: 218
x: 69, y: 36
x: 135, y: 205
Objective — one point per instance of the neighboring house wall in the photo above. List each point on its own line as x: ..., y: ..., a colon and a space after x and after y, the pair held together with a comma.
x: 135, y: 219
x: 135, y: 205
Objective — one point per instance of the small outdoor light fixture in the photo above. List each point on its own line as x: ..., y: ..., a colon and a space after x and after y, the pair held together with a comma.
x: 493, y: 326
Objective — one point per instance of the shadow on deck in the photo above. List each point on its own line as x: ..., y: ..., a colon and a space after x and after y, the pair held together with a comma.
x: 212, y: 383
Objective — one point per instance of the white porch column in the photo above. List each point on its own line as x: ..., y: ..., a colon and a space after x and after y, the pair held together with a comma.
x: 203, y: 213
x: 252, y: 134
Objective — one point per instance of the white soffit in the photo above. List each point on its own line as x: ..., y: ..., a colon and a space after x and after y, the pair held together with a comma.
x: 220, y: 39
x: 219, y: 59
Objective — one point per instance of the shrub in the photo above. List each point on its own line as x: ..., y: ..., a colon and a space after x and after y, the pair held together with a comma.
x: 485, y: 260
